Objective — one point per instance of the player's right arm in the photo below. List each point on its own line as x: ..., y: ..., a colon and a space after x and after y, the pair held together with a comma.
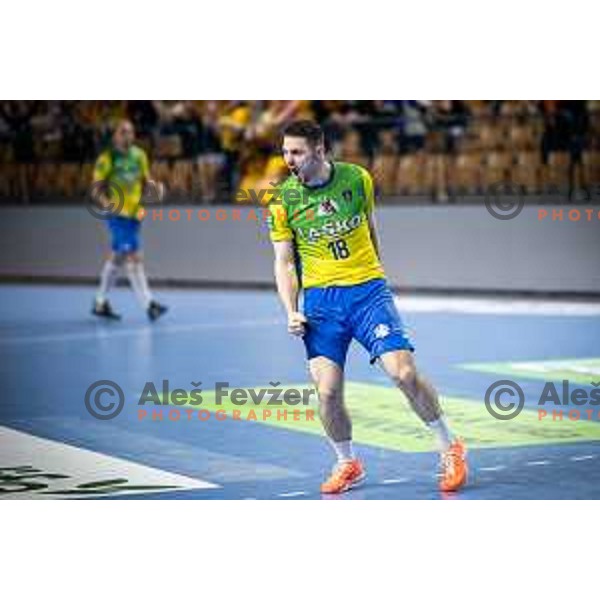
x: 286, y: 279
x: 286, y: 276
x: 150, y: 187
x: 370, y: 210
x: 102, y: 170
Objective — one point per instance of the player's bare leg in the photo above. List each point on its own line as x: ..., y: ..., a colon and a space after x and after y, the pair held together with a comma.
x: 401, y: 368
x: 108, y: 276
x: 134, y: 267
x: 328, y: 378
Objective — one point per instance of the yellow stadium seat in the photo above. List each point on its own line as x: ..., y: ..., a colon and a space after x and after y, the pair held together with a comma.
x: 385, y: 169
x: 591, y: 166
x: 526, y: 171
x: 497, y: 168
x: 555, y: 175
x: 182, y: 174
x: 522, y: 138
x: 410, y: 175
x: 466, y: 172
x: 351, y: 150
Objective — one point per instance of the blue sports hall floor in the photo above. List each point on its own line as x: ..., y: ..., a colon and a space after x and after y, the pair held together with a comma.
x: 52, y: 350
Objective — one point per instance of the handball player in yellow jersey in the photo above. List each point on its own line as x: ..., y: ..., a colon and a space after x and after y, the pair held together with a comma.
x: 323, y: 231
x: 123, y: 171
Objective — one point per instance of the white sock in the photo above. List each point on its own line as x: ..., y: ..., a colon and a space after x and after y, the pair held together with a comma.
x: 107, y: 279
x: 442, y: 433
x: 343, y: 450
x: 139, y: 283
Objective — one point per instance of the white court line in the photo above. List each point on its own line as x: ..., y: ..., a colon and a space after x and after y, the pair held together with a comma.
x: 400, y: 480
x: 580, y: 458
x: 499, y: 306
x: 36, y: 467
x: 113, y: 332
x: 495, y: 468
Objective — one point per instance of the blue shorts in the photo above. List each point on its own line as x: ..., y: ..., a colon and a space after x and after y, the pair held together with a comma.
x: 366, y: 312
x: 125, y: 234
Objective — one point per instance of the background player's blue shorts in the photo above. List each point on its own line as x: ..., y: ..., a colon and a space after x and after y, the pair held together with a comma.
x: 125, y: 234
x: 365, y: 312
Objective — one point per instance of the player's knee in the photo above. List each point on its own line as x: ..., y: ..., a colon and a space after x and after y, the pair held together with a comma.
x: 405, y: 376
x: 118, y: 259
x: 328, y: 395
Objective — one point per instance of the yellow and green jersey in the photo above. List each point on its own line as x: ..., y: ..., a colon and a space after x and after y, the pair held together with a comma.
x: 329, y: 226
x: 128, y: 171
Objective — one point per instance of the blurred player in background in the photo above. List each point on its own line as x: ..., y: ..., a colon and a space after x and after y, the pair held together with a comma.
x: 125, y: 175
x: 323, y: 230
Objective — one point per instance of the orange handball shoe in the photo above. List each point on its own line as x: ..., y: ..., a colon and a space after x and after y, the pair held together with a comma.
x: 345, y: 475
x: 454, y: 469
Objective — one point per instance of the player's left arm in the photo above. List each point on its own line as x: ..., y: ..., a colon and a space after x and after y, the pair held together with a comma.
x: 370, y: 210
x: 150, y: 187
x: 100, y: 180
x: 374, y: 234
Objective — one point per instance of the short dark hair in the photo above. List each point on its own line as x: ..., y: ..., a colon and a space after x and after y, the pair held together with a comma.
x: 304, y: 128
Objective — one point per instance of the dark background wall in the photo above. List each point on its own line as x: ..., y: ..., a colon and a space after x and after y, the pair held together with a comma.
x: 426, y: 247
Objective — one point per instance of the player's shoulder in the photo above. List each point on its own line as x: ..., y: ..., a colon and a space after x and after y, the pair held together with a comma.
x: 104, y: 160
x: 351, y: 170
x: 138, y: 152
x: 105, y: 155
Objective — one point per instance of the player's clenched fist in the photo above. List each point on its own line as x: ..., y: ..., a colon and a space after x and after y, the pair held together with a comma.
x: 296, y: 323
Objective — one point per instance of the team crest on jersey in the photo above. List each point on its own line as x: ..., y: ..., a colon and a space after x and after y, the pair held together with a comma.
x: 327, y: 208
x: 381, y: 331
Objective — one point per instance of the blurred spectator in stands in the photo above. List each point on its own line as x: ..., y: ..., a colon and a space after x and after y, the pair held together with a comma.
x: 263, y: 166
x: 448, y: 120
x: 220, y: 142
x: 211, y: 161
x: 566, y: 124
x: 324, y: 112
x: 414, y: 125
x: 358, y: 115
x: 47, y: 130
x: 17, y: 115
x: 383, y: 115
x: 5, y: 140
x: 179, y: 118
x: 209, y: 112
x: 337, y: 117
x: 269, y: 118
x: 235, y: 117
x: 565, y: 127
x: 78, y: 138
x: 143, y: 114
x: 551, y: 138
x: 351, y: 149
x: 516, y: 109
